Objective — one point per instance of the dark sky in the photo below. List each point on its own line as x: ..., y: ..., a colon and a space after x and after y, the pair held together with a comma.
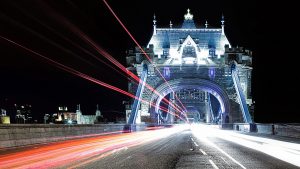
x: 26, y: 78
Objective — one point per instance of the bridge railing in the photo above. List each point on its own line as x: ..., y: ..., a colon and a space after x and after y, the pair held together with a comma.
x: 14, y: 135
x: 285, y: 130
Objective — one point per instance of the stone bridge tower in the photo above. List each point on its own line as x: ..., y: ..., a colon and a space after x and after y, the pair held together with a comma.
x: 194, y: 67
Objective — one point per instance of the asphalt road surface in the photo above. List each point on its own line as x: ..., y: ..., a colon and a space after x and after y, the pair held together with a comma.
x: 156, y: 149
x: 183, y: 151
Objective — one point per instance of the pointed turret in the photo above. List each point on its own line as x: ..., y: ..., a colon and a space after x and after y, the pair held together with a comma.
x: 222, y: 24
x: 224, y: 40
x: 171, y: 25
x: 206, y: 24
x: 154, y: 24
x: 188, y: 22
x: 188, y: 16
x: 78, y: 115
x: 98, y: 113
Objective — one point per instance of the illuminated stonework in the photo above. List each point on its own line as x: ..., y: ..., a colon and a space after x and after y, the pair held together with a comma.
x: 200, y: 66
x: 188, y: 16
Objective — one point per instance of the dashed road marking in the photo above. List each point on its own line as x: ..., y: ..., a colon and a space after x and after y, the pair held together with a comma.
x: 226, y: 154
x: 203, y: 152
x: 196, y: 144
x: 213, y: 164
x: 224, y: 160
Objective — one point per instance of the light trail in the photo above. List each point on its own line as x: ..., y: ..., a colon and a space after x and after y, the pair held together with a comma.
x: 63, y: 37
x: 139, y: 46
x: 68, y: 40
x: 82, y: 75
x: 285, y: 151
x: 111, y: 59
x: 102, y: 52
x: 118, y: 64
x: 75, y: 153
x: 24, y: 27
x: 93, y: 44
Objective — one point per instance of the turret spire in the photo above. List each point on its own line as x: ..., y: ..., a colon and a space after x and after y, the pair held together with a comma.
x: 188, y: 16
x: 171, y: 25
x: 98, y: 113
x: 206, y: 24
x: 222, y: 24
x: 188, y: 22
x: 154, y: 24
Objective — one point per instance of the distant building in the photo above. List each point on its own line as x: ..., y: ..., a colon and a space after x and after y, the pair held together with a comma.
x: 9, y: 106
x: 87, y: 119
x: 66, y: 117
x: 4, y: 119
x: 24, y: 113
x: 47, y: 118
x: 3, y: 112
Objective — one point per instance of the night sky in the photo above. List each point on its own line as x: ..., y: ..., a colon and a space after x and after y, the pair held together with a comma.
x: 26, y: 78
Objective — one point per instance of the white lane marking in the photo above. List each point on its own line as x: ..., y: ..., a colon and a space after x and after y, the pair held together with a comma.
x: 279, y: 149
x: 234, y: 160
x: 206, y: 140
x: 203, y: 152
x: 224, y: 160
x: 213, y: 164
x: 196, y: 144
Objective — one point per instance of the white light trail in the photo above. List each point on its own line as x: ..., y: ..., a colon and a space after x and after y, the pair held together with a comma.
x: 285, y: 151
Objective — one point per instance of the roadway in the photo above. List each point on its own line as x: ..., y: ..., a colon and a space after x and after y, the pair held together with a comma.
x: 198, y: 147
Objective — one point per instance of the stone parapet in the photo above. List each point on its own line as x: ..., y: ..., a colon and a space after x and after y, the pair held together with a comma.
x: 15, y: 135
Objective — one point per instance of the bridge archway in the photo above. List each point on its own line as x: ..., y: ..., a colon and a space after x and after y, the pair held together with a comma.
x: 186, y: 83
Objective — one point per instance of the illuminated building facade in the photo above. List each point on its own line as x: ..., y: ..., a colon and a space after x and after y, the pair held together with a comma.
x: 4, y: 119
x: 66, y: 117
x: 200, y: 70
x: 87, y: 119
x: 24, y: 113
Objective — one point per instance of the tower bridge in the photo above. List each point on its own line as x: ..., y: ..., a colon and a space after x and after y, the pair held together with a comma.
x: 192, y: 67
x: 199, y: 67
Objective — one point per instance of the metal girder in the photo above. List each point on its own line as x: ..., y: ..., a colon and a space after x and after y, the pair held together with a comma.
x: 139, y: 92
x: 241, y: 96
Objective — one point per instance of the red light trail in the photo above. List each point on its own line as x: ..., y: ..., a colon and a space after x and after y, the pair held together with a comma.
x: 102, y: 52
x: 75, y: 153
x: 82, y: 75
x: 149, y: 59
x: 110, y: 58
x: 66, y: 39
x: 99, y: 50
x: 118, y: 64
